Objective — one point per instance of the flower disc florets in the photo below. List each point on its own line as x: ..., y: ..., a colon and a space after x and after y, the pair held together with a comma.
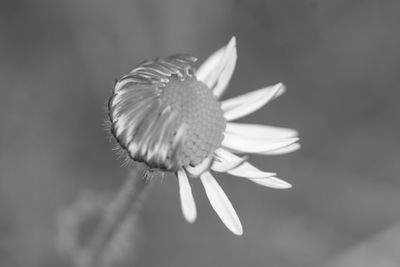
x: 163, y: 116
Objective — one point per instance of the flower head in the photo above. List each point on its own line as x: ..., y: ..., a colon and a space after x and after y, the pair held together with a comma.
x: 166, y: 114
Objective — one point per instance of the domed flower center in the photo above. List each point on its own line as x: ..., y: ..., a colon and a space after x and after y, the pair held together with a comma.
x: 162, y: 115
x: 196, y: 108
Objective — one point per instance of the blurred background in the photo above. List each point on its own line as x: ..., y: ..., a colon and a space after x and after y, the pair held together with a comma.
x: 340, y: 61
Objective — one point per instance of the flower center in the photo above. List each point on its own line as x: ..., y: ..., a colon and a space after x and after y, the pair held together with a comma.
x: 162, y: 115
x: 197, y: 108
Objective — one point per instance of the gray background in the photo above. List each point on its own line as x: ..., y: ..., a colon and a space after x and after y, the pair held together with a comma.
x: 340, y: 61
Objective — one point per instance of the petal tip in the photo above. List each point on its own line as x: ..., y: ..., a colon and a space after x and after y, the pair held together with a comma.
x: 238, y: 232
x: 281, y: 88
x: 281, y: 184
x: 188, y: 205
x: 288, y: 186
x: 231, y: 51
x: 271, y: 182
x: 232, y: 41
x: 235, y: 227
x: 190, y: 218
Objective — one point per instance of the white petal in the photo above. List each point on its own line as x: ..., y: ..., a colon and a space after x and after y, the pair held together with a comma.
x: 199, y: 169
x: 243, y: 105
x: 252, y: 173
x: 221, y: 204
x: 244, y: 170
x: 247, y: 170
x: 209, y: 64
x: 259, y: 131
x: 187, y: 202
x: 244, y: 144
x: 225, y: 165
x: 219, y: 65
x: 253, y: 95
x: 226, y: 75
x: 272, y: 182
x: 289, y: 149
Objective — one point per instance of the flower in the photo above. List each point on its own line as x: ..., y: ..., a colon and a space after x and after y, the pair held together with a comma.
x: 166, y: 114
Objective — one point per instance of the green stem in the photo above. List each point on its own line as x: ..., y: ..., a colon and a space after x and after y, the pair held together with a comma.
x: 128, y: 202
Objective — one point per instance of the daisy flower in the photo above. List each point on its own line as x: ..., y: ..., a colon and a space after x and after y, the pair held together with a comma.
x: 167, y: 114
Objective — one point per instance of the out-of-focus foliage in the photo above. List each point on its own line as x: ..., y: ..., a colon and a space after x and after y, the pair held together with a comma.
x: 339, y: 60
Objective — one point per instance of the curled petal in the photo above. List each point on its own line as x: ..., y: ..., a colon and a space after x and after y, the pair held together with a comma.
x: 199, y: 169
x: 221, y: 204
x: 243, y: 144
x: 243, y: 105
x: 187, y: 201
x: 259, y: 131
x: 218, y: 68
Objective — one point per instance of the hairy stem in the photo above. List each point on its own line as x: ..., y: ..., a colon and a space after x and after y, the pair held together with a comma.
x: 127, y: 202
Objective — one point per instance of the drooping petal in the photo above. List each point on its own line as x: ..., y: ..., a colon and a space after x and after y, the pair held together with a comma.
x: 242, y: 144
x: 158, y: 147
x: 221, y: 204
x: 218, y: 68
x: 187, y: 201
x: 177, y: 144
x: 250, y: 172
x: 243, y: 105
x: 140, y: 130
x: 259, y: 131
